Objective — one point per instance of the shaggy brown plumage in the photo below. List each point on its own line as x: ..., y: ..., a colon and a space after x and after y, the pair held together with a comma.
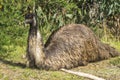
x: 70, y: 46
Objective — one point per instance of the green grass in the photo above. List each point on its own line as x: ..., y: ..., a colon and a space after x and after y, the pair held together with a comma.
x: 115, y: 62
x: 112, y: 42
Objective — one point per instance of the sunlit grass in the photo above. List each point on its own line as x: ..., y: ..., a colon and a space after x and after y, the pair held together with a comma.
x: 112, y: 42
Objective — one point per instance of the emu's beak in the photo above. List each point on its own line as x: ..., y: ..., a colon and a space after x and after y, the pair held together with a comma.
x: 27, y: 21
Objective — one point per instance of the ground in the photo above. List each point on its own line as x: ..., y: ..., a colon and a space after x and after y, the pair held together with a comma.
x: 10, y: 70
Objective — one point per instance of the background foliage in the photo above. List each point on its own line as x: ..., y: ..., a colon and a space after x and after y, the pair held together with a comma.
x: 100, y: 15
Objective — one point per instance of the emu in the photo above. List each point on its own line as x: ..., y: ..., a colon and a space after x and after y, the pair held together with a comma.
x: 70, y: 46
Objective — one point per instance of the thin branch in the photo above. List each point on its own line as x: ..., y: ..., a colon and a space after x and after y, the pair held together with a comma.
x: 83, y: 74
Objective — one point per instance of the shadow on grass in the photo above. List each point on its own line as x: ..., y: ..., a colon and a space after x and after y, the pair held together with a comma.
x: 21, y: 65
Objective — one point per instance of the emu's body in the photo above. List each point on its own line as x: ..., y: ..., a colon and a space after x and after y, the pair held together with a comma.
x: 70, y: 46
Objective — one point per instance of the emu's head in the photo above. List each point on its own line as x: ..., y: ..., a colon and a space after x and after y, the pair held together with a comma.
x: 30, y: 19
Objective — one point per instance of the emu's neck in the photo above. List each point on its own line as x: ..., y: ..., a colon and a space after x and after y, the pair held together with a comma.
x: 35, y: 45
